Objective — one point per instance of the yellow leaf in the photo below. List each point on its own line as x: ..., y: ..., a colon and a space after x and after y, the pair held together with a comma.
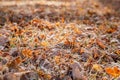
x: 97, y: 67
x: 44, y: 43
x: 0, y: 34
x: 58, y: 24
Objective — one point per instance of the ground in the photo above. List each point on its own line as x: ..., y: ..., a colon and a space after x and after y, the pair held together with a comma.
x: 60, y: 40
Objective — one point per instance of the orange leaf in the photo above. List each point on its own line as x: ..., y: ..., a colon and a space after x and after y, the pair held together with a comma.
x: 100, y: 44
x: 111, y: 30
x: 36, y: 39
x: 14, y: 63
x: 77, y: 31
x: 27, y: 52
x: 57, y: 23
x: 62, y: 20
x: 117, y: 51
x: 18, y: 60
x: 114, y: 72
x: 110, y: 71
x: 57, y: 59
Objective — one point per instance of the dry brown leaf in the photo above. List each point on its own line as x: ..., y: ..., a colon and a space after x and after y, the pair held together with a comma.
x: 82, y: 50
x: 111, y: 30
x: 75, y: 50
x: 14, y: 63
x: 95, y: 53
x: 48, y: 76
x: 14, y: 28
x: 18, y: 60
x: 40, y: 72
x: 0, y: 53
x: 69, y: 43
x: 36, y: 40
x: 91, y: 42
x: 102, y: 28
x: 100, y: 44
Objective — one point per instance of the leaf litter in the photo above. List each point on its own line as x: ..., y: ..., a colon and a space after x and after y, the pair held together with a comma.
x: 77, y: 40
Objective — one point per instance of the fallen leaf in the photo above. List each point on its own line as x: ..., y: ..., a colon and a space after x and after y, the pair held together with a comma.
x: 77, y: 30
x: 97, y: 67
x: 14, y: 63
x: 27, y: 52
x: 18, y: 60
x: 95, y: 53
x: 57, y: 59
x: 57, y: 23
x: 48, y: 76
x: 82, y: 50
x: 44, y: 43
x: 117, y: 52
x: 62, y: 20
x: 100, y: 44
x: 111, y: 30
x: 114, y: 72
